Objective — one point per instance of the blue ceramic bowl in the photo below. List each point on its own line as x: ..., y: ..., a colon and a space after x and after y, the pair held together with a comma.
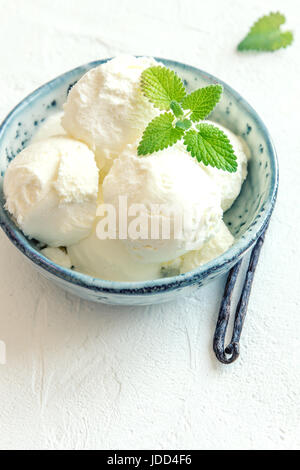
x: 246, y: 219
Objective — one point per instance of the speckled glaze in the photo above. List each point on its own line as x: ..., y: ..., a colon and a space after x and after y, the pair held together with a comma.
x: 246, y: 219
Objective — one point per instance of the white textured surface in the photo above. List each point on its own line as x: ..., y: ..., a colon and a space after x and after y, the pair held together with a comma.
x: 81, y: 375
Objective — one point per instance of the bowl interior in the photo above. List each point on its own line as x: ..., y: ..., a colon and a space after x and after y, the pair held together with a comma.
x: 254, y: 204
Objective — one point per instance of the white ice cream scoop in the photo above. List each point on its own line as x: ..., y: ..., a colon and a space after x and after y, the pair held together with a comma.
x: 51, y: 190
x: 214, y: 247
x: 106, y: 108
x: 110, y: 260
x: 171, y: 190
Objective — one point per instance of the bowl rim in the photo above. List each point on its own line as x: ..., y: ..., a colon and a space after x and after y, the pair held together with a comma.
x: 228, y: 258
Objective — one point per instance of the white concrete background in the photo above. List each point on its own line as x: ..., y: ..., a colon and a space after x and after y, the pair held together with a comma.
x: 81, y: 375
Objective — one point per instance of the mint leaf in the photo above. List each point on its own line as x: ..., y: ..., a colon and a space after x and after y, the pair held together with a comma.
x: 201, y: 102
x: 162, y: 86
x: 166, y: 91
x: 184, y: 124
x: 176, y: 108
x: 159, y: 134
x: 266, y: 35
x: 212, y: 147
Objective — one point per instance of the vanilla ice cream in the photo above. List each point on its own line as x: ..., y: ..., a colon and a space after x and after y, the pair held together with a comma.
x: 58, y: 256
x: 106, y: 108
x: 51, y: 189
x: 110, y: 260
x: 51, y: 127
x: 230, y: 183
x: 170, y: 188
x: 214, y: 247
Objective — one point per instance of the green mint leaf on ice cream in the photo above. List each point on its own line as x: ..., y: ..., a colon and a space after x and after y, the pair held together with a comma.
x: 176, y: 109
x: 185, y: 124
x: 201, y: 102
x: 159, y: 134
x: 166, y: 91
x: 162, y: 86
x: 212, y: 147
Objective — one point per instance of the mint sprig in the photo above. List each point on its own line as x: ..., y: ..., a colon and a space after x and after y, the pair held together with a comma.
x: 201, y: 102
x: 159, y: 134
x: 176, y: 108
x: 211, y: 146
x: 184, y: 124
x: 162, y: 86
x: 166, y: 91
x: 266, y: 35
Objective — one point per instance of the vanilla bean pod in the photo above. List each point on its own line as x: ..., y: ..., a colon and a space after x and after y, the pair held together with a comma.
x: 231, y: 352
